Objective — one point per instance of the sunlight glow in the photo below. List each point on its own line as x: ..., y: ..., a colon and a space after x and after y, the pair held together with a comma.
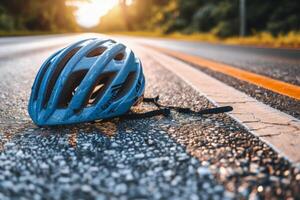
x: 89, y: 13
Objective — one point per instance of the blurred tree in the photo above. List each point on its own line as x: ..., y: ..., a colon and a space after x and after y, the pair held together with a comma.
x: 284, y: 18
x: 42, y: 15
x: 112, y: 21
x: 220, y: 17
x: 204, y: 19
x: 139, y: 15
x: 226, y: 16
x: 123, y: 5
x: 6, y: 21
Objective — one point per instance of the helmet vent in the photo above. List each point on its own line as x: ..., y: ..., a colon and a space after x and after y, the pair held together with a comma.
x: 126, y: 86
x: 95, y: 93
x: 57, y: 72
x: 99, y: 88
x: 40, y: 80
x: 96, y: 52
x: 119, y: 57
x: 70, y: 88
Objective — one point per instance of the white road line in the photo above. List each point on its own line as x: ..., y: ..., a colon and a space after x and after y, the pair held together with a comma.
x: 279, y: 130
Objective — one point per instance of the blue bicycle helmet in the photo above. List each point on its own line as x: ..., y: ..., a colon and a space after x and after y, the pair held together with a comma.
x: 89, y: 80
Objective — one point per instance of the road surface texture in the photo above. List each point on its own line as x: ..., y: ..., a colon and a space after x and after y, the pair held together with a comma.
x: 279, y: 64
x: 176, y: 157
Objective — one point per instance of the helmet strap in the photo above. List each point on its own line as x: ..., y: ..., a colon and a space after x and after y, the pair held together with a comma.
x: 166, y: 110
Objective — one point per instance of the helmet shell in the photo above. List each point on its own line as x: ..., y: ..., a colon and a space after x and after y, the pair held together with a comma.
x: 89, y: 80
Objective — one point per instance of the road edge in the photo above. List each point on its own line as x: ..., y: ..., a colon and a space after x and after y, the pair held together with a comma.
x: 277, y: 129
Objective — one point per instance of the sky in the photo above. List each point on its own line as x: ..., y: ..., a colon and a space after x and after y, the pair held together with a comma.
x: 89, y: 13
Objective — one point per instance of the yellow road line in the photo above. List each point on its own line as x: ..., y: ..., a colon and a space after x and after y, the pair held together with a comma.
x: 277, y: 86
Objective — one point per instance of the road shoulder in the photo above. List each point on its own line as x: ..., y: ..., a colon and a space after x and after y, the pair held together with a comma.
x: 277, y: 129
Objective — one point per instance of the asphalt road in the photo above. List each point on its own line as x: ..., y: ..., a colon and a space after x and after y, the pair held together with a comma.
x: 176, y: 157
x: 281, y: 64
